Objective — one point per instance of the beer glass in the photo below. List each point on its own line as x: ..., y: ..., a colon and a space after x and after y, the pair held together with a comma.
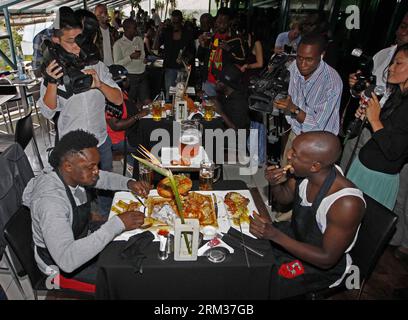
x: 190, y: 138
x: 206, y: 176
x: 145, y: 174
x: 208, y: 110
x: 156, y: 110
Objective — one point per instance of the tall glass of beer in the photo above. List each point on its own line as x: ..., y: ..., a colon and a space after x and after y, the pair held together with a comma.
x: 206, y: 177
x: 156, y: 110
x: 190, y: 139
x: 208, y: 110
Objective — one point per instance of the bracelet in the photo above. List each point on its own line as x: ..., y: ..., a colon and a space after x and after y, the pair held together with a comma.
x: 136, y: 117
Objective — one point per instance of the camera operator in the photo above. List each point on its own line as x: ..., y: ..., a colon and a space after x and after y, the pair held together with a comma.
x: 85, y: 110
x: 314, y: 92
x: 376, y: 168
x: 381, y: 61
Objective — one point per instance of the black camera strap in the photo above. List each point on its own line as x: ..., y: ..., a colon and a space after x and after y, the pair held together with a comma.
x: 66, y: 95
x: 353, y: 153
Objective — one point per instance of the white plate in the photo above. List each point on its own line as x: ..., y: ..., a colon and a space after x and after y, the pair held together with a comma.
x: 173, y: 153
x: 224, y: 220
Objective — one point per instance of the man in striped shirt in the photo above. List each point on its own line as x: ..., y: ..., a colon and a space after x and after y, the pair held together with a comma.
x: 314, y: 92
x: 314, y: 96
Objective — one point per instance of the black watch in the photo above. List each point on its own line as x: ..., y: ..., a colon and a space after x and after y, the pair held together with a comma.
x: 295, y: 113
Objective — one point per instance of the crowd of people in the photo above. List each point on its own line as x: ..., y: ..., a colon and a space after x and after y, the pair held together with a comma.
x: 327, y: 204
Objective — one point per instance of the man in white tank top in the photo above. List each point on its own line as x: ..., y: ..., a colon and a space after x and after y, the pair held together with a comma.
x: 327, y: 211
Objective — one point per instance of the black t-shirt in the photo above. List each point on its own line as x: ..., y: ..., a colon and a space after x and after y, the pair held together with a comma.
x: 387, y: 150
x: 172, y: 47
x: 236, y: 108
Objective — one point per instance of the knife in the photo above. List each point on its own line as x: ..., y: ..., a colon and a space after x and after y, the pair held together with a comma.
x: 215, y: 205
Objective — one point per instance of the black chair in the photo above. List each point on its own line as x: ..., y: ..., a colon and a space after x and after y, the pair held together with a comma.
x: 15, y: 103
x: 19, y: 236
x: 376, y: 230
x: 25, y: 133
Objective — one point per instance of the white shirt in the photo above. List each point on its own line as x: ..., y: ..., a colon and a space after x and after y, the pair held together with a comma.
x: 382, y: 59
x: 85, y: 110
x: 107, y: 49
x: 123, y: 48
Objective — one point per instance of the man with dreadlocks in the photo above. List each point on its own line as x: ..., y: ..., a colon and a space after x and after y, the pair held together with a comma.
x: 60, y: 210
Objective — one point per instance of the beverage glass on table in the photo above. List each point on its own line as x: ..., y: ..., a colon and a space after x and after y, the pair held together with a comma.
x: 190, y: 139
x: 156, y: 110
x: 206, y: 177
x: 145, y: 174
x: 208, y: 110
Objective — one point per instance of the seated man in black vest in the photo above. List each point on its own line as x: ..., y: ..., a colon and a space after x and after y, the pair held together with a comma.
x: 327, y: 212
x: 60, y: 210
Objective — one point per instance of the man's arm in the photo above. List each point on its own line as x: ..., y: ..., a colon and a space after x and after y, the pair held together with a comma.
x: 68, y: 253
x: 343, y: 220
x: 283, y: 192
x: 103, y: 81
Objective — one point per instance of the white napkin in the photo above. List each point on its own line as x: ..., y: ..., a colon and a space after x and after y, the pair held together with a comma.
x: 207, y: 246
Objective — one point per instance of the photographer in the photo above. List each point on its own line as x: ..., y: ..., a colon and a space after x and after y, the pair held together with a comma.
x: 376, y: 168
x: 84, y: 110
x: 381, y: 61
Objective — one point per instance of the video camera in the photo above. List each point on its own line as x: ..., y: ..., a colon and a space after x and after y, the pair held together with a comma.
x: 366, y: 65
x: 74, y: 80
x: 274, y: 79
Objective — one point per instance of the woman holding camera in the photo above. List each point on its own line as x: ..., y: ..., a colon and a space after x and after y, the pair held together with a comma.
x: 376, y: 169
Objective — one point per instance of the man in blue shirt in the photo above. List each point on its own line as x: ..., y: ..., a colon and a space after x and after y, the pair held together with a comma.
x: 290, y: 38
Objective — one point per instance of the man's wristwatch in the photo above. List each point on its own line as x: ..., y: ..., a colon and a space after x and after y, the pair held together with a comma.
x: 136, y: 117
x: 295, y: 112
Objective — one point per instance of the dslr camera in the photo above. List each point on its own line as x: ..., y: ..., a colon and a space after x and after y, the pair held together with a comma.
x: 74, y: 80
x: 365, y: 65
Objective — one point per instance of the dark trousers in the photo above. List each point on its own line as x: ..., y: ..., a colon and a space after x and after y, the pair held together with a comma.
x: 139, y: 87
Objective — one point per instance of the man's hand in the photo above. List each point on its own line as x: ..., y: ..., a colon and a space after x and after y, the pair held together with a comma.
x: 285, y: 104
x: 275, y: 175
x: 144, y: 112
x: 261, y: 227
x: 132, y: 219
x: 54, y: 70
x: 353, y: 78
x: 141, y: 188
x: 136, y: 55
x: 96, y: 83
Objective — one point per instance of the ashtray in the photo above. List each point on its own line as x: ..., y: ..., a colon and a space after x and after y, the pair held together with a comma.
x: 216, y: 255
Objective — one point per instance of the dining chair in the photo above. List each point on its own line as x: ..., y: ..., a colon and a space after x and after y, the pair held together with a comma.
x: 25, y: 133
x: 19, y: 237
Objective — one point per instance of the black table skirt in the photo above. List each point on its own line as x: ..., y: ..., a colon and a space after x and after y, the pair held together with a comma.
x: 169, y: 279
